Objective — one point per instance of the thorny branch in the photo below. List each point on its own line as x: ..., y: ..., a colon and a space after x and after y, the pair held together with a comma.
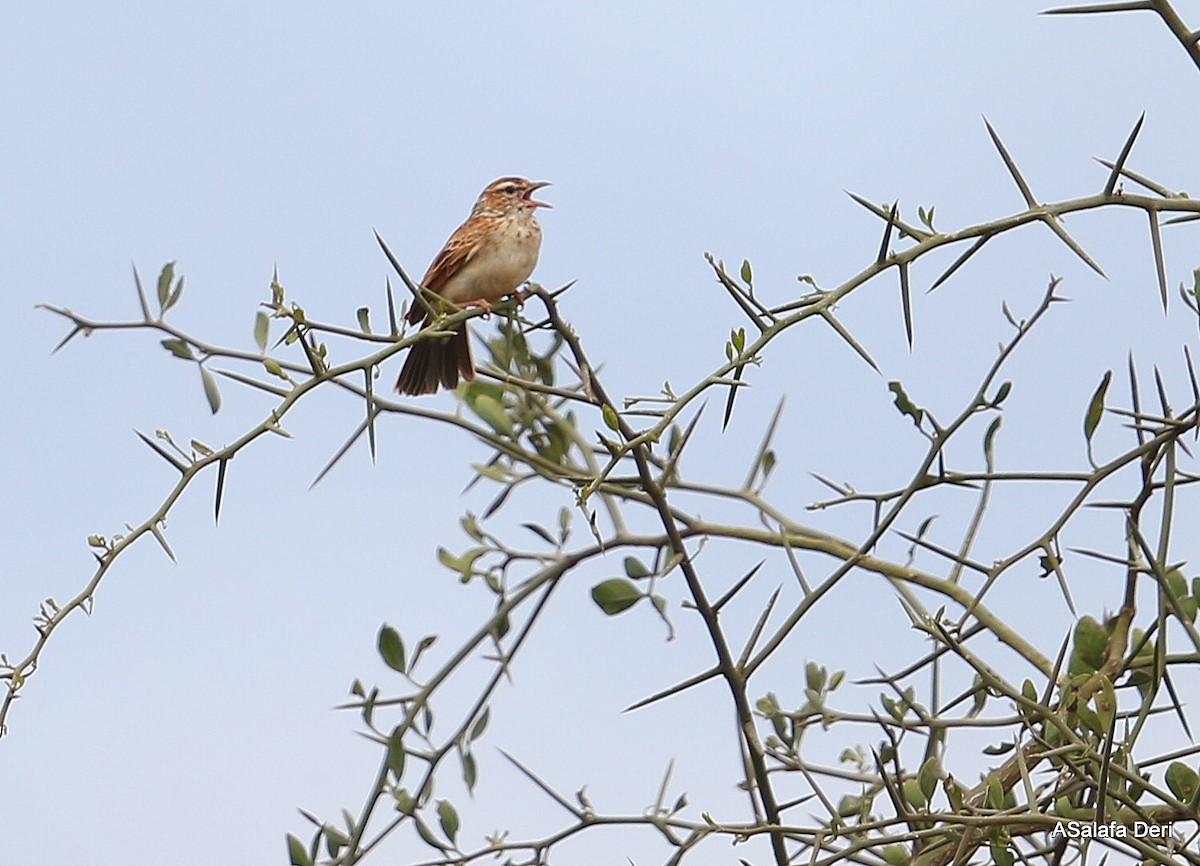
x: 1073, y: 727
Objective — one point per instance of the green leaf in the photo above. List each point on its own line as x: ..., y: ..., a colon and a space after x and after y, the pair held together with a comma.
x: 175, y: 295
x: 494, y: 472
x: 179, y: 349
x: 849, y: 806
x: 660, y: 605
x: 927, y: 776
x: 471, y: 527
x: 262, y: 330
x: 427, y: 835
x: 405, y: 803
x: 768, y: 705
x: 768, y: 463
x: 553, y: 444
x: 611, y: 420
x: 396, y: 752
x: 368, y: 706
x: 1182, y: 780
x: 426, y: 642
x: 893, y: 709
x: 210, y: 390
x: 335, y: 840
x: 491, y: 412
x: 995, y: 792
x: 1002, y: 854
x: 1091, y: 642
x: 747, y: 273
x: 1091, y: 721
x: 480, y: 725
x: 1096, y: 407
x: 448, y: 819
x: 297, y: 853
x: 635, y: 569
x: 615, y: 595
x: 912, y: 794
x: 478, y: 387
x: 501, y: 627
x: 1029, y: 692
x: 1177, y: 583
x: 1002, y: 394
x: 391, y: 648
x: 470, y: 771
x: 165, y: 278
x: 464, y: 565
x: 364, y: 319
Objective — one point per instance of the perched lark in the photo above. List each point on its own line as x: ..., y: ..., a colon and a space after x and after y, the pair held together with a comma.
x: 488, y: 257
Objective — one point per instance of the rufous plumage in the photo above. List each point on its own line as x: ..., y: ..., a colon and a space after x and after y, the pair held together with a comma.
x: 489, y: 256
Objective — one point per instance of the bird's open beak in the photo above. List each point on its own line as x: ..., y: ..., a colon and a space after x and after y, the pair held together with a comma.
x: 534, y: 187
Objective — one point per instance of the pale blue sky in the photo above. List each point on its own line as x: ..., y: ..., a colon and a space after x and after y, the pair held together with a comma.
x: 187, y: 720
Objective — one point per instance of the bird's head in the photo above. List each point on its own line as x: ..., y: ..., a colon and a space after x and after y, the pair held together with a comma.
x: 509, y: 194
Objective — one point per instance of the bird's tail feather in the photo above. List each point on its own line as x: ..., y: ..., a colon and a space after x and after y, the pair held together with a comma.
x: 431, y: 363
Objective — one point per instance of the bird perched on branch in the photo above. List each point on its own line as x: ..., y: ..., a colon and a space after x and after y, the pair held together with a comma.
x: 486, y: 258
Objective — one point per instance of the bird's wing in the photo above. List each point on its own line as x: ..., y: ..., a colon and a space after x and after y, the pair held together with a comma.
x: 458, y: 250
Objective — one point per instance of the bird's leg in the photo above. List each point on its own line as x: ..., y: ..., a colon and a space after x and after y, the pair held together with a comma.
x: 485, y: 304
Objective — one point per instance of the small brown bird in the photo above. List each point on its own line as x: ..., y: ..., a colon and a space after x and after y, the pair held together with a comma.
x: 486, y: 258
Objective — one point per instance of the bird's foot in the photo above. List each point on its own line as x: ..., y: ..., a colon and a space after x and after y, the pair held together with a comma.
x: 485, y: 305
